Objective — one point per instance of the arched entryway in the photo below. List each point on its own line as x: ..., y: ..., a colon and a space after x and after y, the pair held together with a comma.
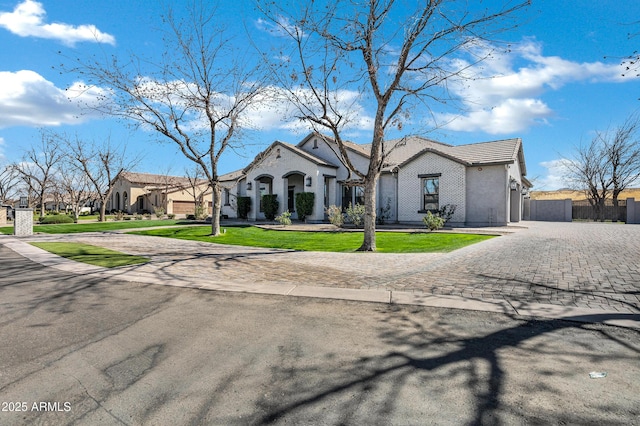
x: 117, y: 203
x: 264, y: 186
x: 294, y: 184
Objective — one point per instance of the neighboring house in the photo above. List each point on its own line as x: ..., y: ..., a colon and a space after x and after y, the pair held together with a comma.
x: 485, y: 181
x: 145, y: 193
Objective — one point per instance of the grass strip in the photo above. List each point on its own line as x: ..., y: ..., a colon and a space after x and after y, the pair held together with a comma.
x: 90, y: 254
x: 387, y: 242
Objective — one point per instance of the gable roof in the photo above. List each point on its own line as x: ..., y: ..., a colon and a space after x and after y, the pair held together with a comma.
x: 506, y: 151
x: 149, y: 179
x: 163, y: 182
x: 295, y: 149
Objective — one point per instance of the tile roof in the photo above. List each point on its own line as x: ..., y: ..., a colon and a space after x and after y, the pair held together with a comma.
x: 152, y: 179
x: 503, y: 151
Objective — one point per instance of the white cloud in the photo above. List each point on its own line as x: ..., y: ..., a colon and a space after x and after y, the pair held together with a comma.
x: 27, y: 20
x: 276, y: 111
x: 28, y: 99
x: 500, y: 97
x: 555, y: 177
x: 282, y: 28
x: 511, y: 115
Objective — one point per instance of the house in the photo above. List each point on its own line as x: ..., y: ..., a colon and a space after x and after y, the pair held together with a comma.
x: 146, y: 193
x: 484, y: 181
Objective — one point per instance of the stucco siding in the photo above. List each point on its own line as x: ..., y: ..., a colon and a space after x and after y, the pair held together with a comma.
x: 487, y: 197
x: 452, y: 187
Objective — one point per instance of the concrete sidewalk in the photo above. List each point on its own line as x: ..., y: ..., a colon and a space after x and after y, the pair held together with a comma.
x: 481, y: 277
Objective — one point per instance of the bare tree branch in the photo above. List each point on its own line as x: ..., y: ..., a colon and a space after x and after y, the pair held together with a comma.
x: 196, y: 95
x: 394, y: 55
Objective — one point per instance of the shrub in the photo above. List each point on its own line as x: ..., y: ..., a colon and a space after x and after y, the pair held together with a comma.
x: 304, y: 204
x: 433, y: 221
x: 355, y: 214
x: 171, y: 216
x: 59, y: 218
x: 284, y: 218
x: 159, y: 212
x: 244, y: 206
x: 336, y: 218
x: 139, y: 217
x: 199, y: 212
x: 384, y: 213
x: 270, y: 206
x: 446, y: 212
x: 118, y: 216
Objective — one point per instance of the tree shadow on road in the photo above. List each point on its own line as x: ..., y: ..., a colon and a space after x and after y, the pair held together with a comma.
x: 461, y: 375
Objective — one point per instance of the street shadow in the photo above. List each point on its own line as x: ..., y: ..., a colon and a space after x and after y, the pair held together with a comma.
x: 373, y: 386
x: 575, y: 295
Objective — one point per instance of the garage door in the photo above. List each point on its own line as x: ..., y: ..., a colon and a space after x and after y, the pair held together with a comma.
x: 183, y: 207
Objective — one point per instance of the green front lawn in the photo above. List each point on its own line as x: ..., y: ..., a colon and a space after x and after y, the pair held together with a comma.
x: 92, y: 255
x: 74, y: 228
x: 387, y: 242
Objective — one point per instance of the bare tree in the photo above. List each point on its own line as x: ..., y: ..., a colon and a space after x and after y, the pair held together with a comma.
x: 8, y: 183
x: 394, y: 55
x: 195, y: 95
x: 632, y: 62
x: 588, y: 171
x: 75, y: 186
x: 622, y: 152
x: 101, y: 163
x: 38, y: 167
x: 196, y: 189
x: 608, y: 165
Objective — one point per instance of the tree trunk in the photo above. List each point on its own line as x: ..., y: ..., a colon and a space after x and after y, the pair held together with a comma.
x: 369, y: 243
x: 215, y: 210
x: 103, y: 210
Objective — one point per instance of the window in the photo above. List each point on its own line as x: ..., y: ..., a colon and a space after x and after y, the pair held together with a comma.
x: 431, y: 193
x: 352, y: 195
x: 226, y: 197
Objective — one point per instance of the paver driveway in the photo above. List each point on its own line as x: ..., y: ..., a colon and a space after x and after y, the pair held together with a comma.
x: 590, y: 265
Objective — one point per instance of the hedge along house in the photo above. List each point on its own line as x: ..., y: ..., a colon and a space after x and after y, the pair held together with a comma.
x: 485, y: 181
x: 144, y: 193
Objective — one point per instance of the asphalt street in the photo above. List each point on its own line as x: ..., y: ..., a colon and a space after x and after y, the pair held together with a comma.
x: 83, y: 350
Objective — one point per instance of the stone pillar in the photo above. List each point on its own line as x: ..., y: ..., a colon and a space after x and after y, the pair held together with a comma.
x: 633, y: 213
x: 23, y: 222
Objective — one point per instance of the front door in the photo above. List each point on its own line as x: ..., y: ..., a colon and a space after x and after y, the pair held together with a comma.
x: 291, y: 200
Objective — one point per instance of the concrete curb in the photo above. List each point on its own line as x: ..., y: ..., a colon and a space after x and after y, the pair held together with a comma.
x: 612, y: 317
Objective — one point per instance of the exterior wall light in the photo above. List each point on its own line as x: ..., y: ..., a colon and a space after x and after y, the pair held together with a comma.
x: 248, y: 186
x: 513, y: 184
x: 308, y: 181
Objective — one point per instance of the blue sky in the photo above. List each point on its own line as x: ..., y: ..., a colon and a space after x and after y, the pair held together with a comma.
x: 560, y: 82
